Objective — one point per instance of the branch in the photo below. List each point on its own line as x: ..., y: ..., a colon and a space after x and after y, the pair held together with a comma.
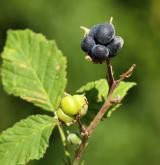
x: 110, y: 74
x: 80, y: 125
x: 108, y: 103
x: 123, y: 76
x: 128, y: 73
x: 80, y: 150
x: 83, y: 144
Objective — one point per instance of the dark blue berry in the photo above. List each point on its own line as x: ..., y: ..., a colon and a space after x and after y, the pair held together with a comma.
x: 115, y: 46
x: 87, y: 44
x: 93, y: 30
x: 99, y: 53
x: 104, y: 33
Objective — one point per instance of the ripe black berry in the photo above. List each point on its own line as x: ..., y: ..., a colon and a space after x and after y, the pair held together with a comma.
x: 87, y: 44
x: 104, y: 33
x: 93, y: 30
x: 115, y: 46
x: 99, y: 53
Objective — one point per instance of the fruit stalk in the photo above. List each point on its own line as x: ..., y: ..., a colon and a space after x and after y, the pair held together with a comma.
x: 64, y: 141
x: 109, y: 76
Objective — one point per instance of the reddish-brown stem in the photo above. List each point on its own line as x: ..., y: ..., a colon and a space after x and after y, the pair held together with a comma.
x: 99, y: 115
x: 80, y: 125
x: 110, y: 76
x: 80, y: 150
x: 108, y: 103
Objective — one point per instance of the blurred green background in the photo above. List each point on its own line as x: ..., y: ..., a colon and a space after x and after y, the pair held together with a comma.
x: 132, y: 135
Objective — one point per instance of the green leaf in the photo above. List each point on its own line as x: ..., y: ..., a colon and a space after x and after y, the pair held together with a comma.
x: 96, y: 93
x: 26, y: 140
x: 34, y: 69
x: 120, y: 91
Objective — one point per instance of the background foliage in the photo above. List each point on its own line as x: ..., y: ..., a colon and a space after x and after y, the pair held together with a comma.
x: 131, y: 135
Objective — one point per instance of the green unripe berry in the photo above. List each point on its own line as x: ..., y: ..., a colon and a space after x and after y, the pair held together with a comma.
x: 64, y: 117
x: 69, y: 105
x: 83, y: 104
x: 74, y: 139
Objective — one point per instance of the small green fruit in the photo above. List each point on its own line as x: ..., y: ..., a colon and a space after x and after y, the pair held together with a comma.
x: 83, y: 104
x: 69, y: 105
x: 74, y: 139
x: 64, y: 117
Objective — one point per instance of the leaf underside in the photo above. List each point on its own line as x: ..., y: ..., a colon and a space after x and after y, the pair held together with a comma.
x: 96, y: 93
x: 26, y: 140
x: 34, y: 69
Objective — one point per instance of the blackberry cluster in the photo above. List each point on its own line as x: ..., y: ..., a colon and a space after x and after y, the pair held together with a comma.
x: 101, y: 43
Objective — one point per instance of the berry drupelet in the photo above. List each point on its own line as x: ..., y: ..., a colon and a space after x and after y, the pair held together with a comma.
x: 99, y: 53
x: 87, y: 44
x: 104, y: 33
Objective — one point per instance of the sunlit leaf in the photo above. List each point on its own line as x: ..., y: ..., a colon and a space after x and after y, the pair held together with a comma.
x: 26, y: 140
x: 34, y: 69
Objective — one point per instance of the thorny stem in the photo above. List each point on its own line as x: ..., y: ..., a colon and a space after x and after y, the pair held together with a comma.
x: 108, y: 103
x: 64, y: 141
